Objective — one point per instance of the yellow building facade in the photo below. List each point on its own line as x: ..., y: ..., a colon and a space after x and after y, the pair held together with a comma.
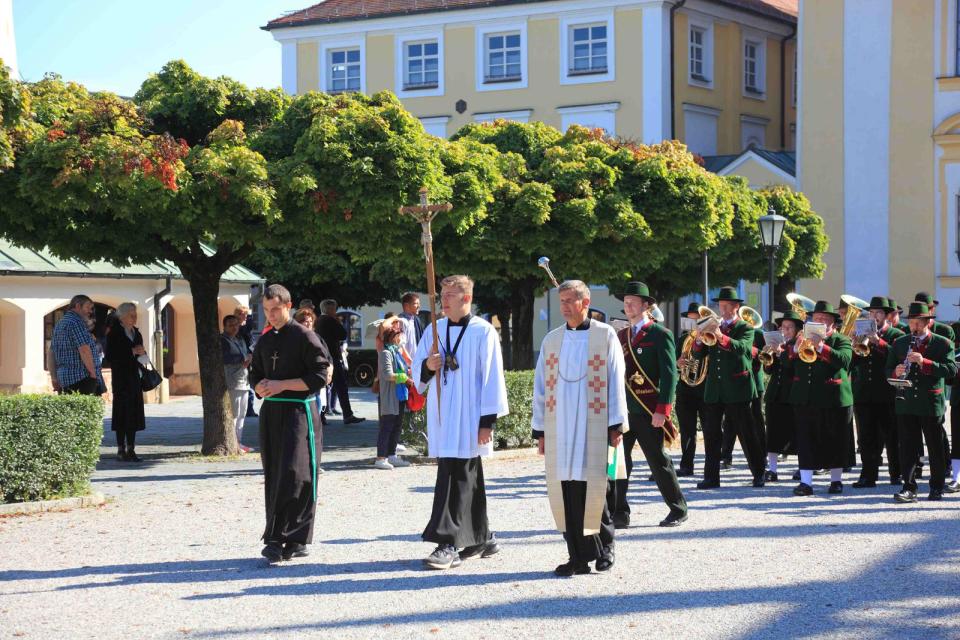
x: 878, y: 151
x: 718, y: 75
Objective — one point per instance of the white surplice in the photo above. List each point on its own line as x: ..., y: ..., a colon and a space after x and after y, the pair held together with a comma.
x: 477, y: 388
x: 571, y: 445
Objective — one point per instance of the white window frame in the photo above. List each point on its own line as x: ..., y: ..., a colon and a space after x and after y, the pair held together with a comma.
x: 520, y: 115
x: 433, y: 122
x: 610, y: 108
x: 493, y: 29
x: 328, y: 47
x: 757, y: 121
x: 711, y: 112
x: 760, y: 42
x: 400, y: 55
x: 567, y: 24
x: 706, y: 28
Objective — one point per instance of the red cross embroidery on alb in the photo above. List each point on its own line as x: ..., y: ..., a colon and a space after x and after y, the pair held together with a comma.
x: 596, y: 362
x: 596, y: 384
x: 597, y: 405
x: 551, y: 403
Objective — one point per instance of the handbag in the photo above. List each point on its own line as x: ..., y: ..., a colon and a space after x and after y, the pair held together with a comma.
x: 415, y: 399
x: 150, y: 378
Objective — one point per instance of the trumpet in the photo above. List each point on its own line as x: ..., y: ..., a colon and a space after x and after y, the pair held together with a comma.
x: 766, y: 356
x: 862, y: 346
x: 803, y: 306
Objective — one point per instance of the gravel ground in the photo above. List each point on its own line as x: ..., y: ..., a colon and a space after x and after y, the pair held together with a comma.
x: 175, y: 554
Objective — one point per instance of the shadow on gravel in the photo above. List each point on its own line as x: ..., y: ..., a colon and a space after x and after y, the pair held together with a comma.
x: 805, y: 609
x: 208, y: 475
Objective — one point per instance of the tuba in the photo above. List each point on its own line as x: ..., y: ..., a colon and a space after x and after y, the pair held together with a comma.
x: 803, y: 306
x: 693, y: 372
x: 856, y: 309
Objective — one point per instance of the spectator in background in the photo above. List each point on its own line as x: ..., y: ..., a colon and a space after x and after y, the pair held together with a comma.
x: 124, y: 347
x: 308, y: 318
x: 394, y: 371
x: 333, y: 334
x: 413, y: 328
x: 242, y: 313
x: 73, y: 347
x: 236, y: 361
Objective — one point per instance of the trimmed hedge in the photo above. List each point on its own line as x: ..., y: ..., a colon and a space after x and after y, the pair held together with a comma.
x: 49, y: 445
x: 512, y: 431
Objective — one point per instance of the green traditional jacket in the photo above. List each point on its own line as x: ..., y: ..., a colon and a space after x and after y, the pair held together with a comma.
x: 654, y: 350
x: 758, y: 377
x: 825, y: 382
x: 926, y: 396
x: 780, y: 377
x: 903, y: 326
x: 869, y: 375
x: 683, y: 389
x: 730, y: 370
x: 942, y: 329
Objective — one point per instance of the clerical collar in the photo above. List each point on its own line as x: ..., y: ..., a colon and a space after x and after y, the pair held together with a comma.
x: 462, y: 322
x: 583, y: 326
x: 289, y: 322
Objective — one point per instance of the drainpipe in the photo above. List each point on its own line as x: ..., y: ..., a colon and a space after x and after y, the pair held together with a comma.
x: 163, y: 391
x: 673, y: 73
x: 783, y: 88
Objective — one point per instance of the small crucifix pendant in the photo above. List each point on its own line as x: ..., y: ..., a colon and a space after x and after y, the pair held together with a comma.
x: 275, y: 357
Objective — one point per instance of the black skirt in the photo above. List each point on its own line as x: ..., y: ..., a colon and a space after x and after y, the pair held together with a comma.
x: 127, y: 406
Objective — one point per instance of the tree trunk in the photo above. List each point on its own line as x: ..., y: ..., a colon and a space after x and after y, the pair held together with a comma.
x: 219, y: 437
x: 502, y: 311
x: 521, y: 316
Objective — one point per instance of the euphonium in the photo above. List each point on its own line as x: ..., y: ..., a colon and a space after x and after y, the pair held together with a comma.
x: 706, y: 313
x: 692, y: 372
x: 856, y: 308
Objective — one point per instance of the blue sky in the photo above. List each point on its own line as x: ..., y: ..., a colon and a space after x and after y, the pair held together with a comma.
x: 113, y: 45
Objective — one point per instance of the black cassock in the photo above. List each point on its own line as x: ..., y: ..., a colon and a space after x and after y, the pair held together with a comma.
x: 293, y: 351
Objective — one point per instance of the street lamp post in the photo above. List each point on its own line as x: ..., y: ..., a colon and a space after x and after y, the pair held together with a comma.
x: 771, y: 232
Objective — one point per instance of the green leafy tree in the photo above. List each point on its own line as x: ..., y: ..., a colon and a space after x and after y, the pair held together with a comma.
x: 178, y: 174
x: 14, y: 105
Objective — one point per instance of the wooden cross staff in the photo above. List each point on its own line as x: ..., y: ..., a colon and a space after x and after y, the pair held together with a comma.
x: 424, y: 213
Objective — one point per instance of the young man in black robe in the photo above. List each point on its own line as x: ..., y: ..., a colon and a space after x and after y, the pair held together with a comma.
x: 290, y: 364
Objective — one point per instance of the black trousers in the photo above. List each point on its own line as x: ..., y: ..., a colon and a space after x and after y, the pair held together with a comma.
x: 851, y: 449
x: 459, y: 514
x: 85, y: 387
x: 661, y: 465
x: 821, y: 436
x: 943, y: 437
x: 389, y: 433
x: 729, y: 440
x: 781, y: 433
x: 583, y: 548
x: 955, y: 433
x: 339, y: 385
x: 741, y: 419
x: 689, y: 409
x: 877, y: 427
x: 759, y: 424
x: 911, y: 430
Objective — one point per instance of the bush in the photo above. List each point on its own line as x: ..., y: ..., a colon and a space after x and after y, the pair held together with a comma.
x: 49, y: 445
x: 512, y: 431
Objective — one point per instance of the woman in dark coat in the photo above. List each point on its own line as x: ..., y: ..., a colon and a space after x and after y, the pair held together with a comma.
x: 124, y: 345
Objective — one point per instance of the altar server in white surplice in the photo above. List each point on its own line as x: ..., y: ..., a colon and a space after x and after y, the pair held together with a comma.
x: 579, y: 416
x: 473, y: 394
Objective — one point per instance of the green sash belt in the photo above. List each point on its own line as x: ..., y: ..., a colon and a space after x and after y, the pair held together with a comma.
x: 313, y: 447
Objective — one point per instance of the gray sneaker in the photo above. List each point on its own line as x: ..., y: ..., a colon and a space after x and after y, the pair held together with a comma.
x: 445, y: 556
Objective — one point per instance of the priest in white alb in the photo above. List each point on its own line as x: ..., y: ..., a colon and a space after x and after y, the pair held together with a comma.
x: 579, y: 417
x: 468, y: 369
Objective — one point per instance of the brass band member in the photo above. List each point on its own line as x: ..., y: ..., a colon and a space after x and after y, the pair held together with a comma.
x: 926, y: 360
x: 781, y: 434
x: 651, y: 380
x: 729, y: 388
x: 690, y: 405
x: 953, y: 486
x: 873, y: 399
x: 821, y: 397
x: 893, y: 317
x: 945, y: 330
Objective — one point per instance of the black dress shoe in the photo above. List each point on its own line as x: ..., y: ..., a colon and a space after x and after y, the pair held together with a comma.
x: 673, y: 520
x: 770, y: 476
x: 904, y: 497
x: 132, y: 456
x: 651, y: 478
x: 604, y: 563
x: 864, y: 484
x: 708, y: 484
x: 353, y: 420
x: 683, y: 473
x: 726, y: 464
x: 295, y: 550
x: 484, y: 550
x: 803, y: 489
x: 571, y: 568
x: 896, y: 481
x: 758, y: 481
x: 935, y: 495
x: 273, y: 552
x: 952, y: 487
x: 835, y: 487
x: 121, y: 454
x: 621, y: 520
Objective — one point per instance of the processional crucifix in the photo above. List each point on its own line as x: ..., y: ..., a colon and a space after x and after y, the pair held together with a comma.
x: 424, y: 213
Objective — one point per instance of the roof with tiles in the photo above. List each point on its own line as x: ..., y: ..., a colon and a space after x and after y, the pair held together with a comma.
x: 354, y: 10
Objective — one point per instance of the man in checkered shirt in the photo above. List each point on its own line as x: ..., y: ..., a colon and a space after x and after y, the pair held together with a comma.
x: 74, y: 348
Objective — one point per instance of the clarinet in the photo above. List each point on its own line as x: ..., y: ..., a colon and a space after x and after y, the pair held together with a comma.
x: 908, y: 368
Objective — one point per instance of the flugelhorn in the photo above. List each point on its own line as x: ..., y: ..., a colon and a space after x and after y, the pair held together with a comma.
x: 803, y: 306
x: 544, y: 263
